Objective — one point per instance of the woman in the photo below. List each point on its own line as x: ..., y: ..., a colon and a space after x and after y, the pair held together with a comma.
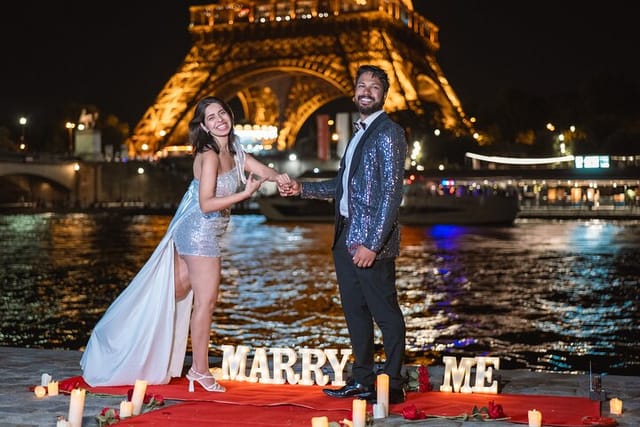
x: 143, y: 334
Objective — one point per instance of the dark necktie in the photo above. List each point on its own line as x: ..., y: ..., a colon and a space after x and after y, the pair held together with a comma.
x: 359, y: 125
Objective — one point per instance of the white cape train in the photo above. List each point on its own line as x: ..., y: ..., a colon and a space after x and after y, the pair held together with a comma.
x: 143, y: 334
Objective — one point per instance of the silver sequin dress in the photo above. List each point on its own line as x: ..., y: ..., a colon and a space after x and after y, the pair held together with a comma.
x: 199, y: 233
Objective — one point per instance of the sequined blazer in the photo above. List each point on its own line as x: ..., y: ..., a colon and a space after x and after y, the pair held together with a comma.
x: 376, y: 188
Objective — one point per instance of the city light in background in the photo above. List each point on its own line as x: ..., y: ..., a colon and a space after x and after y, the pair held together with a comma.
x: 70, y: 127
x: 23, y: 124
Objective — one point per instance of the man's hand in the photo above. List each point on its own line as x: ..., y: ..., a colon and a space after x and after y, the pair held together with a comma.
x: 364, y: 257
x: 288, y: 186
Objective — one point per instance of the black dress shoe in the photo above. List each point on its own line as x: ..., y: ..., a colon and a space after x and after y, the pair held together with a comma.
x: 396, y: 395
x: 352, y: 389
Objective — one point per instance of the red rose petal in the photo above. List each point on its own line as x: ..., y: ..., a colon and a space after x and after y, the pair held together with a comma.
x: 599, y: 421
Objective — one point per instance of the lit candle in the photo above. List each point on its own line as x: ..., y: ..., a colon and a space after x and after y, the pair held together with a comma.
x: 535, y: 418
x: 52, y: 388
x: 139, y: 389
x: 615, y: 406
x: 76, y: 407
x: 44, y: 380
x: 126, y: 409
x: 39, y: 391
x: 359, y: 416
x: 319, y: 422
x: 382, y: 390
x: 379, y: 411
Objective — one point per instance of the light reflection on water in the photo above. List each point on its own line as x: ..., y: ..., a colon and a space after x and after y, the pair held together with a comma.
x: 544, y: 295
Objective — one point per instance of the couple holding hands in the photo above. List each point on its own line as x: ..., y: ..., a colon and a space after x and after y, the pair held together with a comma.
x: 143, y: 334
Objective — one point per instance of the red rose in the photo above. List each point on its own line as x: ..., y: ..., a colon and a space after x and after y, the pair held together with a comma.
x: 423, y: 379
x: 152, y: 401
x: 410, y: 412
x: 423, y: 372
x: 108, y: 416
x: 68, y: 386
x: 495, y: 411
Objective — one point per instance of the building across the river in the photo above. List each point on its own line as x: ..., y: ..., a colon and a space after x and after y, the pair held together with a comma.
x: 557, y: 190
x: 598, y: 186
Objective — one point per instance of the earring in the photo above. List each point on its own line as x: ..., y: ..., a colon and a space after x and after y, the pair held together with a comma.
x: 204, y: 128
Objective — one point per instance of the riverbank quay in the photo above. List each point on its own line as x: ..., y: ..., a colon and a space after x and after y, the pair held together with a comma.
x: 22, y: 368
x: 141, y: 187
x: 581, y: 213
x: 252, y: 208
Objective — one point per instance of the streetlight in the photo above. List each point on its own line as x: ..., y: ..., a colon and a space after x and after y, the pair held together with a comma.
x: 70, y: 126
x: 23, y: 122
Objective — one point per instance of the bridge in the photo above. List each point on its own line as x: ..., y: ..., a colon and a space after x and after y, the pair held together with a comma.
x: 61, y: 174
x: 278, y: 62
x: 46, y: 182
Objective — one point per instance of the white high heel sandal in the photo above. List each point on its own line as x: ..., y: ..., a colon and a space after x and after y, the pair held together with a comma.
x: 196, y: 376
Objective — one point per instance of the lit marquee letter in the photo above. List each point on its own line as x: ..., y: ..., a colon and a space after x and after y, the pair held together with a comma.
x: 234, y: 364
x: 308, y: 367
x: 481, y: 370
x: 260, y: 366
x: 287, y: 367
x: 337, y: 366
x: 457, y: 374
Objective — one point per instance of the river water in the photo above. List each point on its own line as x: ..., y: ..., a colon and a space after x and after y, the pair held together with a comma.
x: 541, y: 294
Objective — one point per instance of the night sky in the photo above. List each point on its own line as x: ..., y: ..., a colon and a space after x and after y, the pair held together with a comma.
x: 118, y: 54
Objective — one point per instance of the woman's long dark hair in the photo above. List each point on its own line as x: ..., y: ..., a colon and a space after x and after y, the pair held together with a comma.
x: 203, y: 140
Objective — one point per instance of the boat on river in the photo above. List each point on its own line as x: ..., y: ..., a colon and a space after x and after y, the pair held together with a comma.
x: 427, y: 200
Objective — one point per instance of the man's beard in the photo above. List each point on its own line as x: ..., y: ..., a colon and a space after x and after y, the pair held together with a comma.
x: 370, y: 109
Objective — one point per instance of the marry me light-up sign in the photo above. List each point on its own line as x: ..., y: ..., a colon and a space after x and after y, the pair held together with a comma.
x: 457, y: 377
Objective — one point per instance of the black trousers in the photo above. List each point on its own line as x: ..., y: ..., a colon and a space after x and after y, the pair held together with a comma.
x: 369, y: 295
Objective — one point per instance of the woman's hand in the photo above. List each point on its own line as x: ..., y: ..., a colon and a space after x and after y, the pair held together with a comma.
x: 282, y: 179
x: 253, y: 184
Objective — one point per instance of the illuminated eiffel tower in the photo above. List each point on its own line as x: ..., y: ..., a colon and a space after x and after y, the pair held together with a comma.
x: 282, y: 60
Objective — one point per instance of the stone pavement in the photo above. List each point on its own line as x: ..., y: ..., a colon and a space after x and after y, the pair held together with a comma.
x: 21, y: 368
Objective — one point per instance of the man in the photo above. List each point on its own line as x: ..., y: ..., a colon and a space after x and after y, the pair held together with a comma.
x: 368, y: 193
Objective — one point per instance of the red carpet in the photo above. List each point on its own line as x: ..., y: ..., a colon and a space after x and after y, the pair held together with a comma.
x: 274, y: 405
